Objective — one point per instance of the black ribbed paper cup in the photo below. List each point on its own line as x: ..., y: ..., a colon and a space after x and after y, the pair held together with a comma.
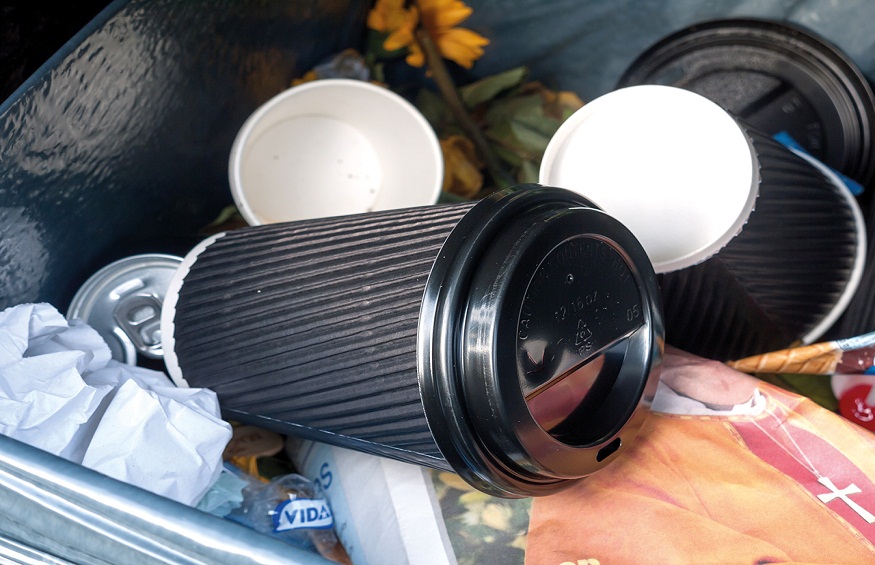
x: 513, y: 341
x: 757, y: 246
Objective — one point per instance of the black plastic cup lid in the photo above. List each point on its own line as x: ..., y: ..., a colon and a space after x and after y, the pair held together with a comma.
x: 780, y: 78
x: 539, y: 340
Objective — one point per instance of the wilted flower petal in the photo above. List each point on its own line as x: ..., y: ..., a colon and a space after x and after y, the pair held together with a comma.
x: 438, y: 18
x: 462, y: 174
x: 415, y: 57
x: 392, y: 18
x: 387, y: 15
x: 461, y: 45
x: 441, y: 14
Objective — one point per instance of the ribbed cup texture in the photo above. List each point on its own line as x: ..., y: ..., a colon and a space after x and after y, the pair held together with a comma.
x: 859, y: 317
x: 779, y: 277
x: 314, y: 323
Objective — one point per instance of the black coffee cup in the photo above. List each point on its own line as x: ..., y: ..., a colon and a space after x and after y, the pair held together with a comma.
x: 515, y: 340
x: 756, y: 245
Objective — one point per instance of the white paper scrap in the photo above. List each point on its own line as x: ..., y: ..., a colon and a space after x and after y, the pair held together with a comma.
x: 60, y: 391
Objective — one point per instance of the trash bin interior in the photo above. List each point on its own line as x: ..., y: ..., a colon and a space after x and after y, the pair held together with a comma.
x: 118, y: 144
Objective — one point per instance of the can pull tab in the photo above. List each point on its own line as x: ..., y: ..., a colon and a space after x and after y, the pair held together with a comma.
x: 139, y: 316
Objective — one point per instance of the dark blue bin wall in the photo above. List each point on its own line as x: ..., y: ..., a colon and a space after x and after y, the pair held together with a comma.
x: 585, y: 45
x: 119, y: 144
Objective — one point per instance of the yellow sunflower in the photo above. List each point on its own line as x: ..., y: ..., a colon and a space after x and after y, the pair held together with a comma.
x: 438, y: 18
x: 392, y: 18
x: 462, y: 174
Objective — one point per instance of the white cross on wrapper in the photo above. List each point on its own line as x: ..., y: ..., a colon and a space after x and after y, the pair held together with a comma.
x: 844, y: 495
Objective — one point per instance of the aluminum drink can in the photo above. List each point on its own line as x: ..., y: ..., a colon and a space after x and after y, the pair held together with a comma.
x: 122, y: 302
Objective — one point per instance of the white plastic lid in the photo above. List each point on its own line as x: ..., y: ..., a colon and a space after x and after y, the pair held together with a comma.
x: 671, y: 165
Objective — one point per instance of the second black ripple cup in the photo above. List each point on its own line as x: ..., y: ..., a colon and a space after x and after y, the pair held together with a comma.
x: 756, y: 246
x: 515, y: 341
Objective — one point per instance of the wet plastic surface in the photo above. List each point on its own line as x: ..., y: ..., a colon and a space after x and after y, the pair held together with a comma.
x: 120, y: 144
x: 590, y: 44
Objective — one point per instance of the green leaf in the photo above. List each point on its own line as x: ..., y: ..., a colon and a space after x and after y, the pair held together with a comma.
x: 505, y: 143
x: 506, y: 109
x: 489, y: 87
x: 377, y: 71
x: 225, y: 214
x: 534, y: 132
x: 435, y: 110
x: 545, y: 125
x: 502, y: 134
x: 507, y: 156
x: 528, y: 173
x: 567, y: 113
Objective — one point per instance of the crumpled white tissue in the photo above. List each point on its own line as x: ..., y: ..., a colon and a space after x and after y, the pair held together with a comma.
x: 61, y: 391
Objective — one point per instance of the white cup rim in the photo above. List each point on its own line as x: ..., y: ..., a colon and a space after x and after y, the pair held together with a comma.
x: 856, y: 274
x: 417, y: 152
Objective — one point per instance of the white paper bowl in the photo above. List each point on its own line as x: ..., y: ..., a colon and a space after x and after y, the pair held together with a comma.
x: 333, y: 147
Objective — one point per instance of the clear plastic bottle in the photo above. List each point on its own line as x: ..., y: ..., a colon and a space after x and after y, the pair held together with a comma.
x: 293, y: 509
